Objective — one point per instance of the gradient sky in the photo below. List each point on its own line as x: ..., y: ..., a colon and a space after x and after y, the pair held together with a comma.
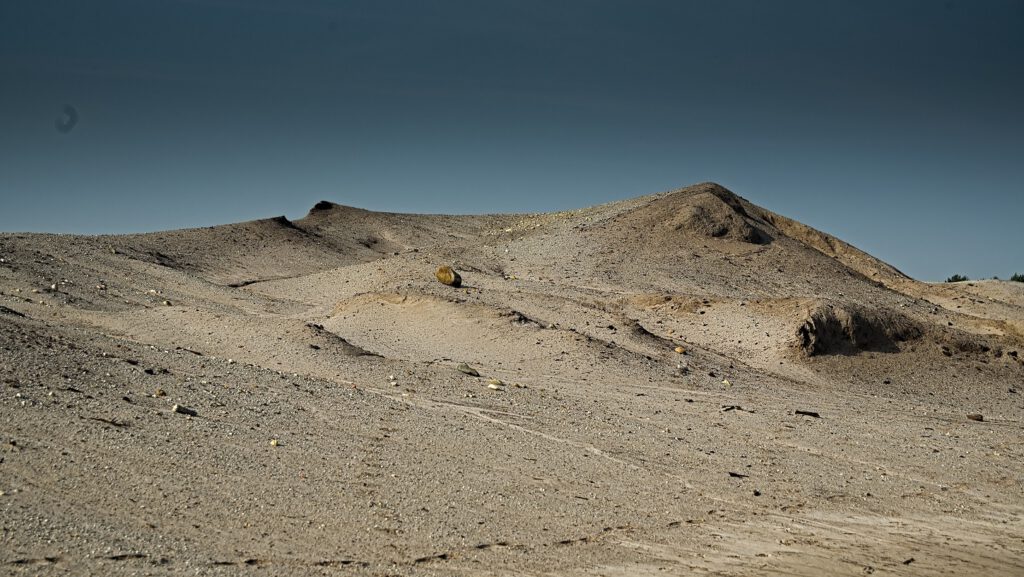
x: 895, y: 125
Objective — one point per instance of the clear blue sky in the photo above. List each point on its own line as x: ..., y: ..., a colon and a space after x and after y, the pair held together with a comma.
x: 895, y: 125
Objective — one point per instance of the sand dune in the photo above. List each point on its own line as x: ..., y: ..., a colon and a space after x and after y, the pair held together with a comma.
x: 681, y: 383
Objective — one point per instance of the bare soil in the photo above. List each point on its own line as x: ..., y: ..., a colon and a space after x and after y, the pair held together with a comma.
x: 285, y: 398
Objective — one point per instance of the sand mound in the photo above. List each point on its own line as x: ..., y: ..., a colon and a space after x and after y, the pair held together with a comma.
x: 848, y: 329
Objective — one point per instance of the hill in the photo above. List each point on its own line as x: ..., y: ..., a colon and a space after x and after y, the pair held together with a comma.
x: 677, y: 383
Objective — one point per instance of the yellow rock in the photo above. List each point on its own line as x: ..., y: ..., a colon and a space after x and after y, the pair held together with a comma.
x: 680, y: 350
x: 274, y: 442
x: 447, y: 275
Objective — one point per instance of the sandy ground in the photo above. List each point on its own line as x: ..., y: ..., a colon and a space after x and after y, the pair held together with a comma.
x: 815, y: 421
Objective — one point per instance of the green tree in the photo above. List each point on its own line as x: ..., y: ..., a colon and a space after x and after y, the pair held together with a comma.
x: 957, y: 278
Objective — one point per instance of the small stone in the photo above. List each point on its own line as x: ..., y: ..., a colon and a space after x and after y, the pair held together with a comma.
x: 494, y: 387
x: 976, y: 417
x: 726, y: 382
x: 160, y: 393
x: 446, y: 275
x: 494, y: 381
x: 183, y: 410
x: 274, y: 442
x: 464, y: 368
x: 680, y: 350
x: 167, y: 303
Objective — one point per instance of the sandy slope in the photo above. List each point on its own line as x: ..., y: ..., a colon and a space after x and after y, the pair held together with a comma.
x: 334, y: 434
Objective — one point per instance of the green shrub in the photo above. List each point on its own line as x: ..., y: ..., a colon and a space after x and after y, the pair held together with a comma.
x: 1017, y: 277
x: 957, y: 278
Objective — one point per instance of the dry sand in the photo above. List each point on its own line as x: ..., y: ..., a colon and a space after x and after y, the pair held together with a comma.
x: 815, y: 423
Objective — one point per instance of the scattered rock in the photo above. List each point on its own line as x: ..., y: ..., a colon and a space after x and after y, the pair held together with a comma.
x: 493, y: 387
x: 446, y: 275
x: 807, y: 413
x: 274, y: 443
x: 680, y: 350
x: 167, y: 303
x: 183, y: 410
x: 727, y: 408
x: 160, y: 393
x: 976, y: 417
x: 464, y: 368
x: 494, y: 381
x: 738, y: 475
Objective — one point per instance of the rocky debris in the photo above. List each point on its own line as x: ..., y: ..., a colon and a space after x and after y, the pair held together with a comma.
x: 807, y: 413
x: 446, y: 275
x: 183, y: 410
x: 834, y: 329
x: 976, y: 417
x: 464, y: 368
x: 680, y: 350
x: 494, y: 381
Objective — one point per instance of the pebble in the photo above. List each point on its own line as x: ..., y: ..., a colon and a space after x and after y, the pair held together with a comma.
x: 464, y: 368
x: 494, y: 387
x: 274, y: 443
x: 680, y: 350
x: 493, y: 381
x: 183, y: 410
x: 447, y: 275
x: 976, y: 417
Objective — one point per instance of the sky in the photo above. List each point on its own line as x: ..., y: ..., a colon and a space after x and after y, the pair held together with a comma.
x: 896, y: 125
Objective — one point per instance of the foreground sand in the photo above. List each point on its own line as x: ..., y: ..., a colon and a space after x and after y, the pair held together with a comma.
x: 815, y: 423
